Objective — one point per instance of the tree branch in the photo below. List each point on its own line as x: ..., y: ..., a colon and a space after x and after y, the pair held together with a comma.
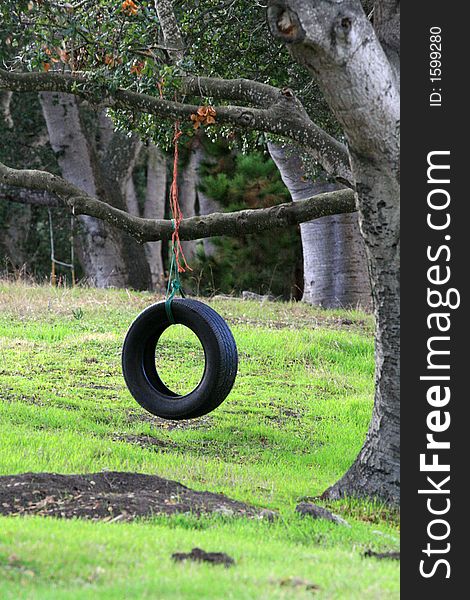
x: 171, y: 31
x: 285, y: 118
x: 149, y: 230
x: 241, y: 90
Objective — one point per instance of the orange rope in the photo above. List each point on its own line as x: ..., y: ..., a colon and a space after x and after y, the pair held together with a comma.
x: 176, y: 213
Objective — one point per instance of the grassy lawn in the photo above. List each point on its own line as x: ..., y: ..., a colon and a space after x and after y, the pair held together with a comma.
x: 292, y: 425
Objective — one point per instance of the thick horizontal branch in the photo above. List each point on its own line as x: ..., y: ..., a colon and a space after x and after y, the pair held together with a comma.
x: 149, y: 230
x: 284, y: 118
x: 241, y: 90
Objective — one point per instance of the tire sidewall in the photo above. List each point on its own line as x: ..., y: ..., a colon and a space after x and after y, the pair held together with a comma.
x: 150, y: 392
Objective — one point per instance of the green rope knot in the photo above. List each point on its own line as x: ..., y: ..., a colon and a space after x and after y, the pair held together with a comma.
x: 174, y: 286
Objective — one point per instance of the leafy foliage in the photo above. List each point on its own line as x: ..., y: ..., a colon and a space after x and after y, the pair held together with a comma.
x: 122, y: 45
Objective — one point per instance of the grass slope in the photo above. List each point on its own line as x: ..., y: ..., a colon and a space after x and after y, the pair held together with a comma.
x: 292, y: 425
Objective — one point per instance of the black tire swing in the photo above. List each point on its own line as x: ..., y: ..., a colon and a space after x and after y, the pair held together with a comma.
x: 138, y: 360
x: 141, y: 343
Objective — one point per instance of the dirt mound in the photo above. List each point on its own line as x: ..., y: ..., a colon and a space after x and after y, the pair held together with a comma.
x: 111, y: 496
x: 198, y: 555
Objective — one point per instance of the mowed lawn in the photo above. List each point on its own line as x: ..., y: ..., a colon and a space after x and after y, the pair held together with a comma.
x: 292, y: 425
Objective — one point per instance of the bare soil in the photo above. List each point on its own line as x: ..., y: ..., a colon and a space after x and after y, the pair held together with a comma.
x: 382, y: 555
x: 111, y: 496
x: 198, y: 555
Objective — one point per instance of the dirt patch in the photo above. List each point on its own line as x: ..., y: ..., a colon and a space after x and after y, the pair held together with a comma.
x: 111, y: 496
x: 307, y: 509
x: 8, y: 395
x: 298, y: 582
x: 145, y: 417
x: 314, y: 322
x: 144, y: 441
x: 198, y: 555
x: 382, y: 555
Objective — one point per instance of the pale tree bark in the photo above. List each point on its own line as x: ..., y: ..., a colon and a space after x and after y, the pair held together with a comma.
x: 154, y: 208
x: 170, y: 29
x: 337, y: 43
x: 130, y: 194
x: 101, y: 255
x: 104, y: 133
x: 108, y: 258
x: 335, y: 262
x: 334, y: 256
x: 188, y: 183
x: 386, y: 19
x: 206, y: 205
x: 5, y: 101
x: 13, y: 235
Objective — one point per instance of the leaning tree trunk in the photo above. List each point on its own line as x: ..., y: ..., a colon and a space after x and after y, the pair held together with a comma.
x: 102, y: 258
x: 154, y: 208
x: 13, y: 237
x: 114, y: 173
x: 334, y: 254
x: 205, y: 205
x: 188, y: 183
x: 337, y: 43
x: 109, y: 258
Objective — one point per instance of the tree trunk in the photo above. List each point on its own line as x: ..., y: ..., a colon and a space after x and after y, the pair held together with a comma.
x: 13, y: 236
x: 114, y: 172
x: 5, y: 101
x: 110, y: 259
x: 335, y: 264
x: 376, y: 471
x: 337, y: 43
x: 206, y: 205
x: 188, y: 193
x: 154, y: 208
x: 334, y: 255
x: 103, y: 263
x: 130, y: 194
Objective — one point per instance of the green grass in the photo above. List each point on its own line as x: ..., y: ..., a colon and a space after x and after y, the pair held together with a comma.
x: 292, y: 425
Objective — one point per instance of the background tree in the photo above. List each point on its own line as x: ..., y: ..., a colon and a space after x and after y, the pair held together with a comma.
x: 354, y: 63
x: 334, y: 254
x: 24, y: 224
x: 266, y: 263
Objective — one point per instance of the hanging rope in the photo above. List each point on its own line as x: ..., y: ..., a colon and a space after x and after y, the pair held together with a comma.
x: 177, y: 215
x: 178, y: 262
